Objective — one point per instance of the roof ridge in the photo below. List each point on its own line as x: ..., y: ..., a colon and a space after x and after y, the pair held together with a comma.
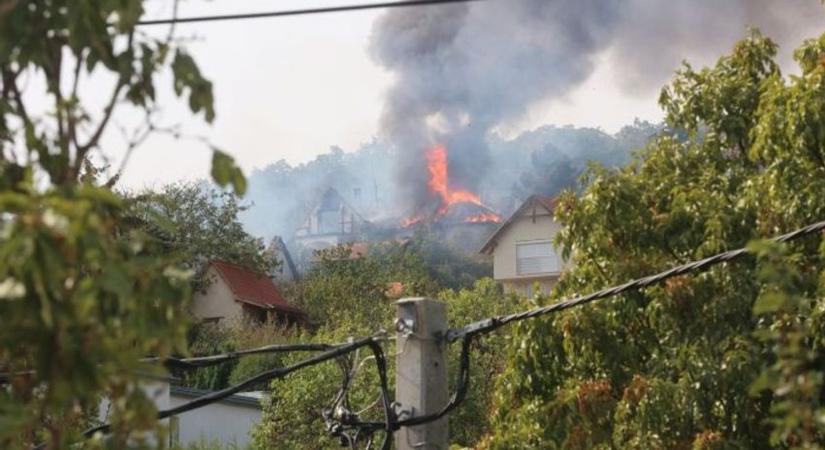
x: 239, y: 266
x: 547, y: 202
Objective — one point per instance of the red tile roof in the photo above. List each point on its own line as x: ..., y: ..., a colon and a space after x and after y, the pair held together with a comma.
x: 252, y: 287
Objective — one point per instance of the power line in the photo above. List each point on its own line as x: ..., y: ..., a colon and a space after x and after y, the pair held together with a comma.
x: 466, y: 334
x: 211, y: 360
x: 490, y: 324
x: 274, y: 374
x: 300, y: 12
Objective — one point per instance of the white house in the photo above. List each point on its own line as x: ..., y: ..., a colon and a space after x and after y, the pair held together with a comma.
x: 228, y: 421
x: 236, y: 293
x: 522, y: 248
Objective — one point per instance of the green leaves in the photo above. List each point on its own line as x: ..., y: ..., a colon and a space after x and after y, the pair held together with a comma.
x: 187, y: 77
x: 199, y: 223
x: 225, y: 172
x: 730, y: 358
x: 80, y: 307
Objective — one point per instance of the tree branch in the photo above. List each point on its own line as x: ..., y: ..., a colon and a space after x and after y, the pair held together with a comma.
x: 54, y: 71
x: 72, y: 122
x: 10, y: 83
x: 83, y: 150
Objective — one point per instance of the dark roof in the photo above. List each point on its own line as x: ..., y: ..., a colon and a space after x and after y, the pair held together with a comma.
x: 252, y: 287
x: 278, y: 245
x: 535, y: 200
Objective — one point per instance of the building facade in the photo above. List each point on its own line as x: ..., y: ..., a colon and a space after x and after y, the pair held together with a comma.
x: 228, y: 422
x: 331, y: 222
x: 522, y: 248
x: 236, y: 294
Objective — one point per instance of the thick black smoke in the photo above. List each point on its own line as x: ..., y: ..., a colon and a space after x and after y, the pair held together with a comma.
x: 461, y: 70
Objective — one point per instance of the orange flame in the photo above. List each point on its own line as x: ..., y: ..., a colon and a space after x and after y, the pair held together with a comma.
x: 439, y: 183
x: 410, y: 221
x: 483, y: 218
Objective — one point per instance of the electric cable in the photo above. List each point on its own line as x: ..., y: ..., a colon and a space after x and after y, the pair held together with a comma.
x: 299, y: 12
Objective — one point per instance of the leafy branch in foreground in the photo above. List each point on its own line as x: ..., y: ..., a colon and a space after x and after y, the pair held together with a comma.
x: 84, y: 291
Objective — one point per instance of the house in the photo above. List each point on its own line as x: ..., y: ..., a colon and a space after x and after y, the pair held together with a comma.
x: 331, y: 222
x: 236, y: 293
x: 228, y: 422
x: 522, y: 248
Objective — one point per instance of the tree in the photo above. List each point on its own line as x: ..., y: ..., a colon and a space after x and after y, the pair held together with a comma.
x: 199, y: 223
x: 84, y: 294
x: 731, y: 358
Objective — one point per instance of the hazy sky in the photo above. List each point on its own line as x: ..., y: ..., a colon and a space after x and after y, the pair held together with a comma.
x: 289, y: 88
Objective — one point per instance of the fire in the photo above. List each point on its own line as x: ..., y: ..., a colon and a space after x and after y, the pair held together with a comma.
x: 410, y: 221
x: 440, y: 181
x: 483, y: 217
x: 439, y: 184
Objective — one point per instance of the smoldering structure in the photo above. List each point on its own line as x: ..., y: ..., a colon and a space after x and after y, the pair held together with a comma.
x: 462, y: 70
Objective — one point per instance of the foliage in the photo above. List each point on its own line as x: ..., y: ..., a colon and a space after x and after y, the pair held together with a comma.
x: 292, y: 414
x: 200, y: 224
x: 367, y: 176
x: 210, y: 339
x: 447, y: 268
x: 83, y: 300
x: 485, y: 299
x: 83, y: 292
x: 559, y: 163
x: 678, y: 366
x: 209, y: 445
x: 344, y: 282
x: 292, y: 417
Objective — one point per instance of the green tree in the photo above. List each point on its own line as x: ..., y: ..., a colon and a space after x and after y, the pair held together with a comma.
x: 83, y: 292
x: 199, y: 223
x: 485, y: 299
x: 731, y: 358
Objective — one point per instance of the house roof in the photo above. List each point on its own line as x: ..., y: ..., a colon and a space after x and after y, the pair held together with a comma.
x: 253, y: 288
x: 330, y: 199
x: 534, y: 201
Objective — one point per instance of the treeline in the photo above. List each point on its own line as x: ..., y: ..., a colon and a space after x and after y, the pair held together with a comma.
x: 730, y: 358
x: 545, y: 161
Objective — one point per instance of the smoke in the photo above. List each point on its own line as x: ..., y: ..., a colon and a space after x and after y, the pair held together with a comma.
x: 461, y: 70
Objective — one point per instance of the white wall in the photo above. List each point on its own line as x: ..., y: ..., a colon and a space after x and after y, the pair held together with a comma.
x: 225, y: 421
x: 217, y: 301
x: 523, y: 228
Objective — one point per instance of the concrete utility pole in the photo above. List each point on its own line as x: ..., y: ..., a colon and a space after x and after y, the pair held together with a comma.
x: 421, y: 373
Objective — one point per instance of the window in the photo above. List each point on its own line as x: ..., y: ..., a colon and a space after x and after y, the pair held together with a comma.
x: 536, y: 257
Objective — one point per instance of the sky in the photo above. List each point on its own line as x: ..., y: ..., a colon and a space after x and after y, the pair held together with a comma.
x: 290, y: 88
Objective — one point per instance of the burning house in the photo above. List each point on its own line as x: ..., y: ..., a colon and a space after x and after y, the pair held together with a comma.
x: 457, y: 215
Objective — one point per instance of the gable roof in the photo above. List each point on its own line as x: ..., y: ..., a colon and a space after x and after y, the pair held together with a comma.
x: 534, y: 201
x: 330, y: 200
x: 252, y: 287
